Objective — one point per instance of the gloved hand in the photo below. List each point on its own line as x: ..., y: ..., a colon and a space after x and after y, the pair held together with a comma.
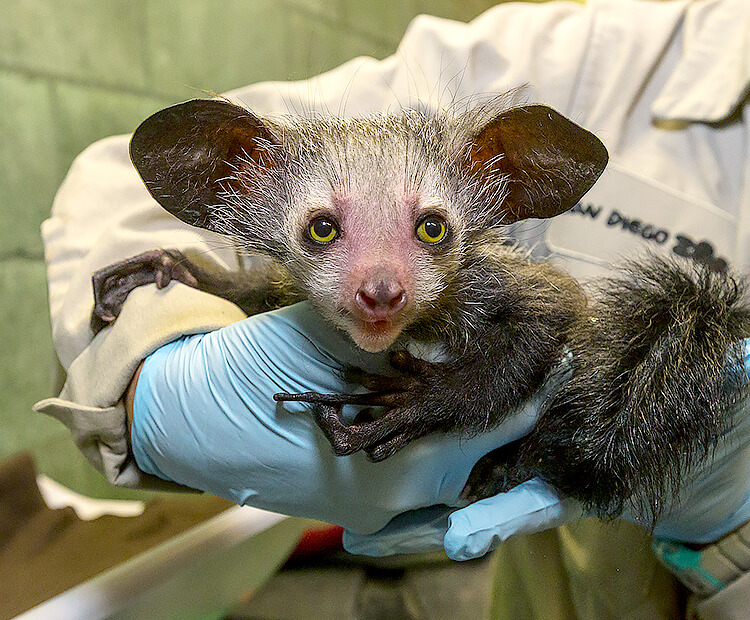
x: 473, y: 531
x: 713, y: 503
x: 204, y: 417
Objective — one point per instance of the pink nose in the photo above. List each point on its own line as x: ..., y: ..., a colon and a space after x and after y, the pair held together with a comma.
x: 381, y: 298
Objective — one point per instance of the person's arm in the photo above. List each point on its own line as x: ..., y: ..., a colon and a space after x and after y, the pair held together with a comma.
x: 129, y: 398
x: 103, y: 213
x: 204, y: 416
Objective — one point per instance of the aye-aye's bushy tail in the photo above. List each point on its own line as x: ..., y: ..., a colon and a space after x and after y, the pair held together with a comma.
x: 657, y: 366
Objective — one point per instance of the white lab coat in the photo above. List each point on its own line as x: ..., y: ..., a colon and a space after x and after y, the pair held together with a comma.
x: 663, y: 84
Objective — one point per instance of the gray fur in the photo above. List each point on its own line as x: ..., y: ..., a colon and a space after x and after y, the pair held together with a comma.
x: 503, y: 321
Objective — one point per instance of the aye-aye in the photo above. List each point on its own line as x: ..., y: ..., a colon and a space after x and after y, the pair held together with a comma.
x: 392, y: 226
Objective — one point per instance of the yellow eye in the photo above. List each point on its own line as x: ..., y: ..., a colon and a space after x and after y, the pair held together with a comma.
x: 432, y: 229
x: 323, y: 230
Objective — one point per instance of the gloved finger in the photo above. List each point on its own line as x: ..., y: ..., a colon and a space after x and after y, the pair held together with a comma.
x: 530, y: 507
x: 416, y: 531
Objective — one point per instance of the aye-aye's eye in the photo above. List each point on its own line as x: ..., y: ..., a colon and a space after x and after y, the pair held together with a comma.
x: 432, y: 229
x: 323, y: 230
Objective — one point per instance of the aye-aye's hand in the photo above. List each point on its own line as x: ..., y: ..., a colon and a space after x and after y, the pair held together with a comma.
x: 204, y: 416
x: 715, y: 499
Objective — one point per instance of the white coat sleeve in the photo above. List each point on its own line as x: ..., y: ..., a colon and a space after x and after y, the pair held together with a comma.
x: 103, y: 214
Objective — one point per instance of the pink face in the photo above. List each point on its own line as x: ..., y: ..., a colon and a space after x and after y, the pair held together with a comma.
x: 376, y: 260
x: 376, y: 275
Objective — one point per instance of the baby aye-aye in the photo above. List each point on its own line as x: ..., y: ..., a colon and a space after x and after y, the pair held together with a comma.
x: 392, y: 226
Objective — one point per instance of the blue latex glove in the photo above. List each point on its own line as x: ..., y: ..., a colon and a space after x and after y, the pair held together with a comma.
x: 472, y: 531
x: 204, y: 417
x: 713, y: 503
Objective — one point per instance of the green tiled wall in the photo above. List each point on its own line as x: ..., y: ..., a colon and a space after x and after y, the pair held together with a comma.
x: 73, y: 72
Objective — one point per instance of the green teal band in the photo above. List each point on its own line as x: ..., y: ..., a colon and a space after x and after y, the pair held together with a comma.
x: 707, y: 570
x: 686, y: 564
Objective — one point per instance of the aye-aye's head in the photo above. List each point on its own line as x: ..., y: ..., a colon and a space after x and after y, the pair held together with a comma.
x: 372, y: 216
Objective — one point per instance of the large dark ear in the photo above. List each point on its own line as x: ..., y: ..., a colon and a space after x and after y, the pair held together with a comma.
x: 189, y: 153
x: 548, y: 161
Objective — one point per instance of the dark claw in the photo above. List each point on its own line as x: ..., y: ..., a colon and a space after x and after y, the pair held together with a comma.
x: 399, y: 436
x: 339, y: 436
x: 365, y: 433
x: 371, y: 399
x: 113, y: 284
x: 379, y: 437
x: 313, y: 398
x: 385, y: 450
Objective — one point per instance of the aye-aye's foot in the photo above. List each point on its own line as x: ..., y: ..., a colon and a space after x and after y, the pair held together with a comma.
x: 113, y: 284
